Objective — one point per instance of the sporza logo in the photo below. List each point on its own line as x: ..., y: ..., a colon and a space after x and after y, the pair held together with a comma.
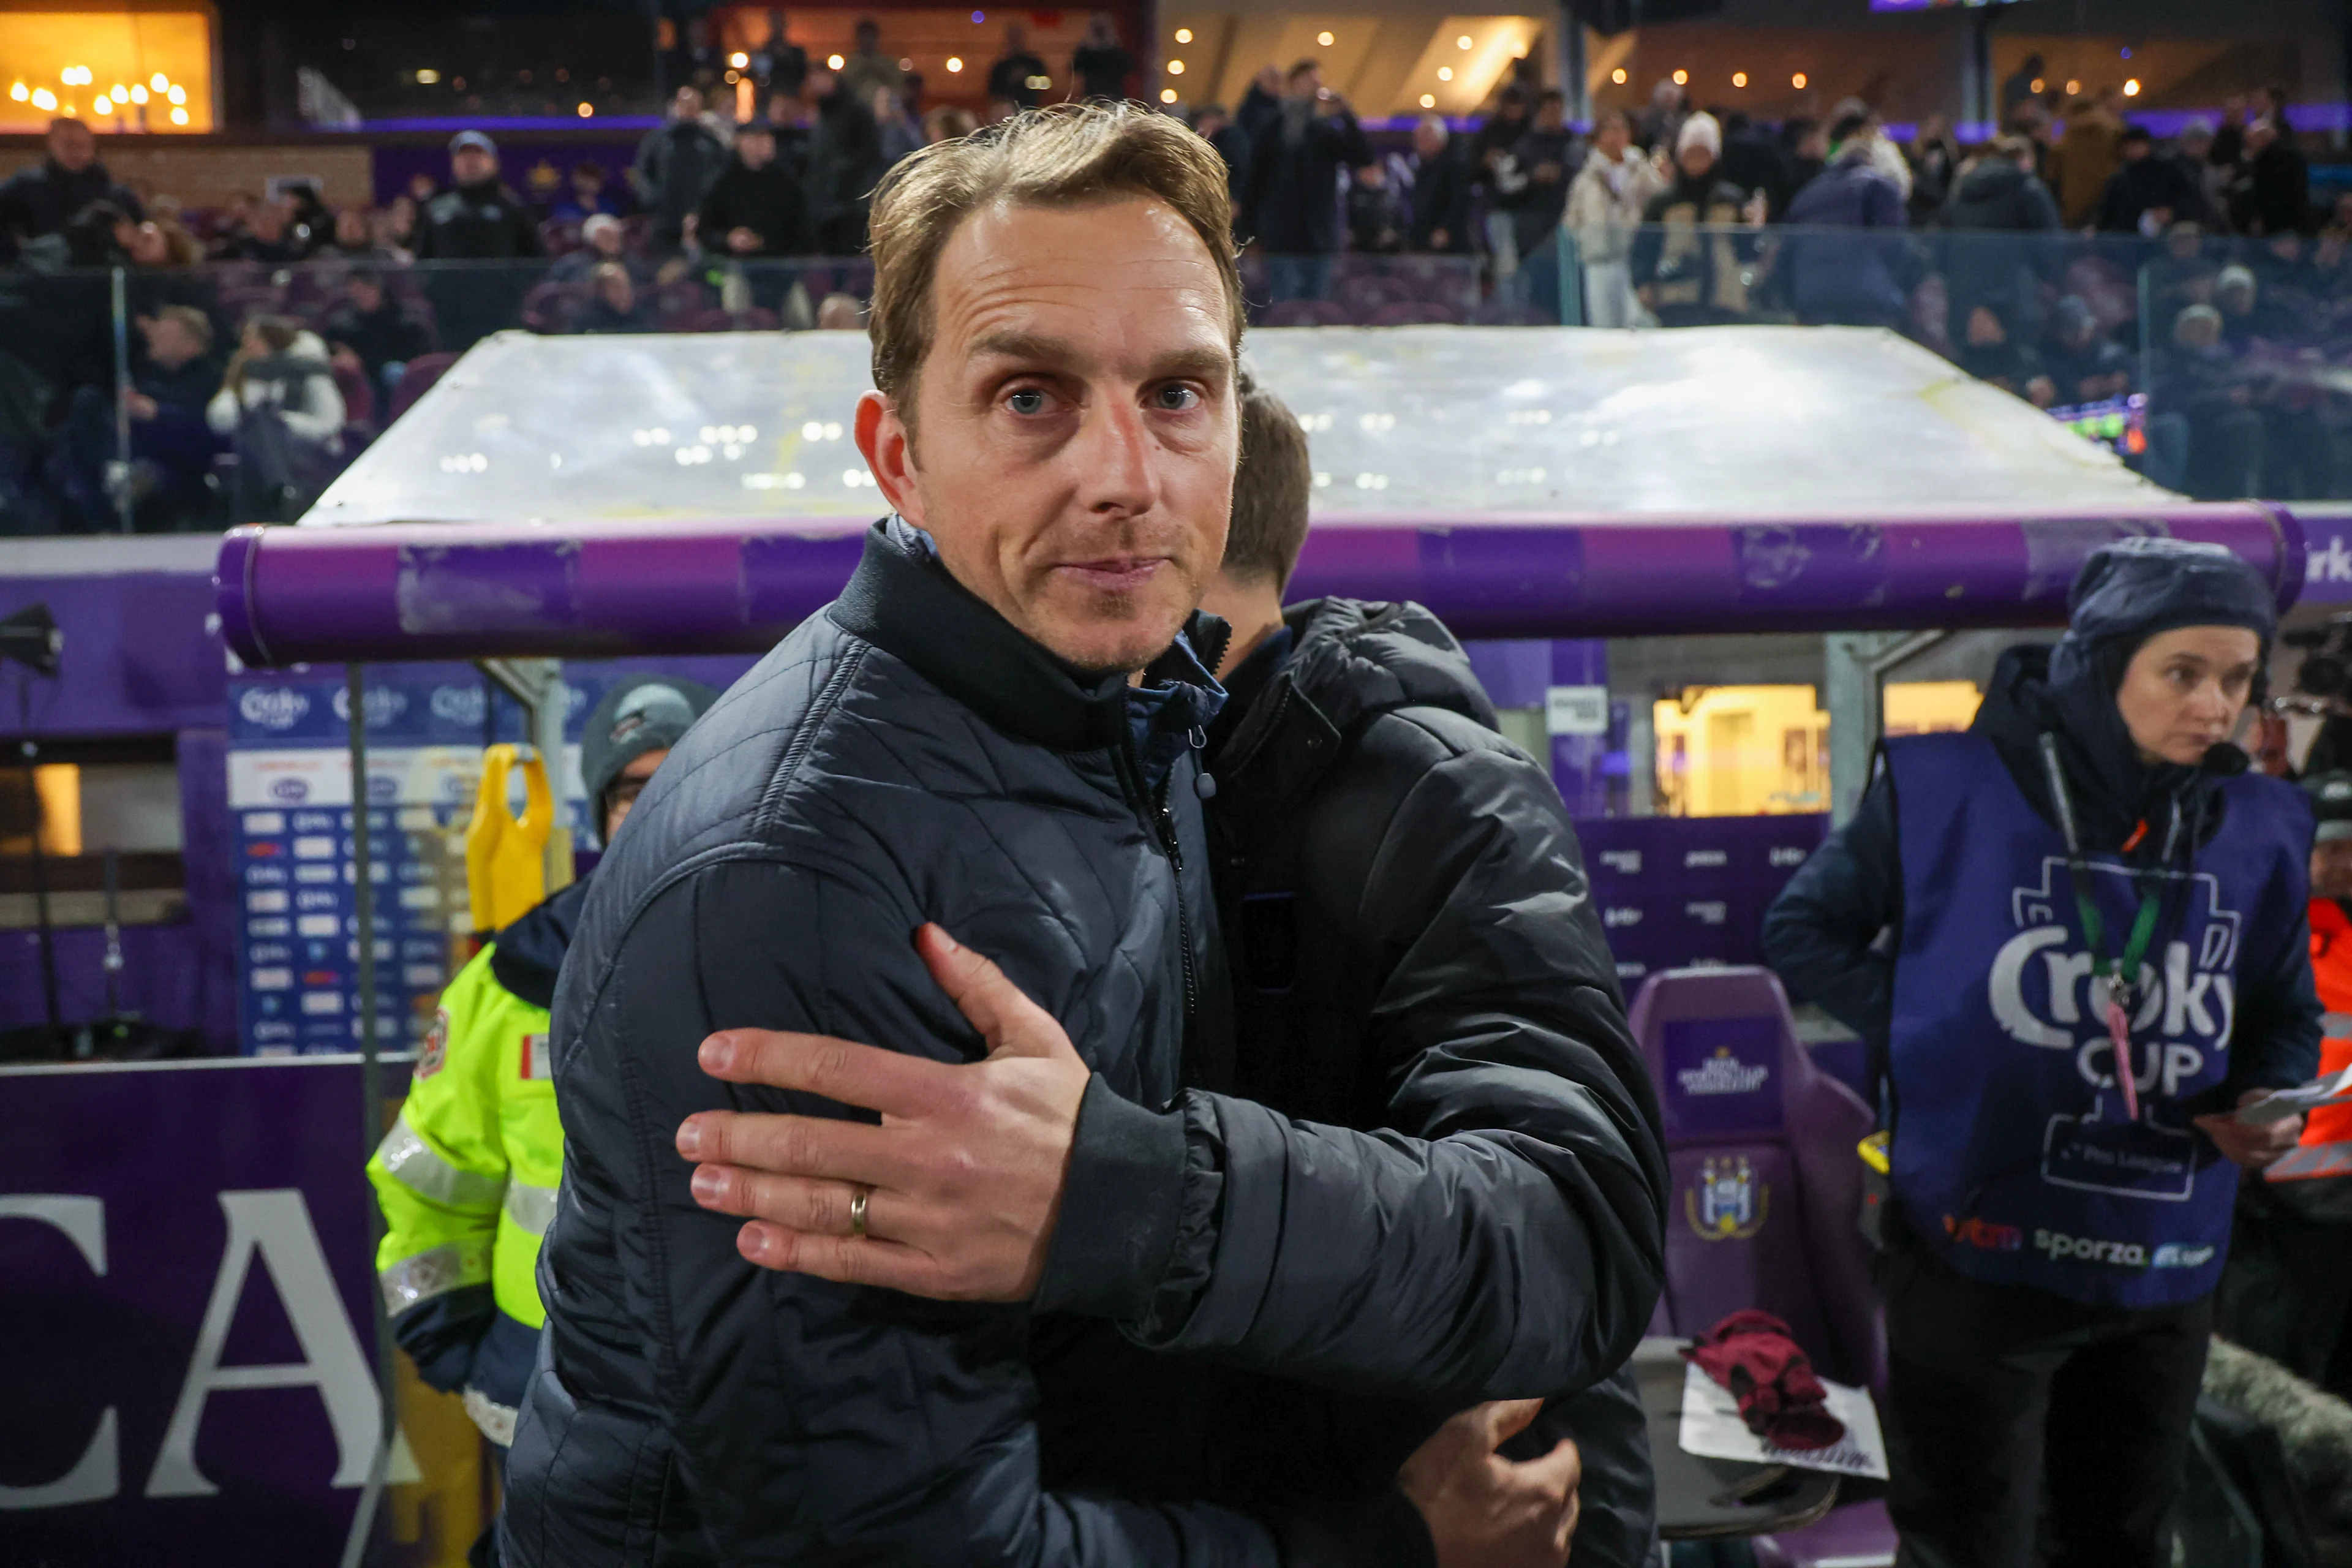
x: 1728, y: 1204
x: 2044, y: 993
x: 272, y: 707
x: 2060, y: 1247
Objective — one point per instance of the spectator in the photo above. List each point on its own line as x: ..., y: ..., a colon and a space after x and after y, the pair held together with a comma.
x: 899, y: 135
x: 2022, y: 86
x: 612, y: 303
x: 603, y: 238
x: 1840, y: 272
x: 2272, y: 193
x: 1018, y: 77
x: 586, y: 196
x: 2195, y: 145
x: 1935, y: 160
x: 2234, y: 293
x: 1604, y: 209
x: 278, y: 405
x: 1884, y: 156
x: 676, y: 166
x: 1290, y: 206
x: 2085, y: 365
x: 2085, y: 156
x: 867, y: 67
x: 2204, y: 436
x: 309, y: 222
x: 479, y: 220
x: 1989, y: 250
x: 845, y: 163
x: 354, y: 239
x: 2147, y: 193
x: 1546, y: 155
x: 947, y: 123
x: 840, y: 313
x: 1662, y: 121
x: 1689, y: 266
x: 1807, y: 143
x: 1992, y: 351
x: 43, y: 199
x: 755, y: 209
x: 372, y: 325
x: 780, y: 65
x: 1216, y: 126
x: 400, y: 225
x: 171, y: 446
x: 1377, y: 219
x: 266, y: 236
x: 160, y: 242
x: 1754, y: 160
x: 1098, y: 66
x: 1261, y: 106
x: 1494, y: 164
x: 1440, y: 195
x: 422, y: 188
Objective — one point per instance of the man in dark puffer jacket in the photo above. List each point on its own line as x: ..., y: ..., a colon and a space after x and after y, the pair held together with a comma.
x: 956, y: 741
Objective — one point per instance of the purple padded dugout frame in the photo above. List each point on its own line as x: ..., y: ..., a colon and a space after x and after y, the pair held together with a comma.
x: 590, y: 590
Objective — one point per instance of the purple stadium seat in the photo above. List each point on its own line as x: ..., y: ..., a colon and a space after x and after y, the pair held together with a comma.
x: 359, y: 396
x: 423, y: 371
x: 554, y: 307
x: 1766, y: 1191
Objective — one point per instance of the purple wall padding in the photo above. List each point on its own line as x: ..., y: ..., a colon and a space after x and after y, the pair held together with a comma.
x: 141, y: 657
x: 605, y: 588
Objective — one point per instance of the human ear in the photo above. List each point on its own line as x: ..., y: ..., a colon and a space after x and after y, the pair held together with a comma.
x: 889, y: 452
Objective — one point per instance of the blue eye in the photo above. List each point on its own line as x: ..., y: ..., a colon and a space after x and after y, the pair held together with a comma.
x: 1177, y: 398
x: 1028, y: 400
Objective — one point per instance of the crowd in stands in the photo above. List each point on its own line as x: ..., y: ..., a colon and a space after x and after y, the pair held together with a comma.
x: 266, y: 342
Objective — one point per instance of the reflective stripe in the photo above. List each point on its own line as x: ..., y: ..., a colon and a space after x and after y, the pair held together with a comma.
x: 497, y: 1421
x: 531, y: 1207
x: 2335, y: 1026
x: 432, y: 1271
x: 414, y: 1165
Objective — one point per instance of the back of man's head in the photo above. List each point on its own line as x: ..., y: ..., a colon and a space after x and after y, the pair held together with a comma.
x: 1270, y: 490
x: 1066, y: 156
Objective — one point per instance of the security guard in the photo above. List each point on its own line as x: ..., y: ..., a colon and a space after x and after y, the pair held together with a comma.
x: 2098, y: 954
x: 467, y: 1177
x: 2287, y: 1293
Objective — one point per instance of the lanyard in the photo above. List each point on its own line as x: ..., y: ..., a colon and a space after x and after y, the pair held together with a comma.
x: 2121, y: 974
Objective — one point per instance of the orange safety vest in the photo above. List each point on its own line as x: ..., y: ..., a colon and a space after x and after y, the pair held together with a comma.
x: 2326, y: 1146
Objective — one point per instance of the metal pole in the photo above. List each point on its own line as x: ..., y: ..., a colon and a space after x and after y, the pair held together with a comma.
x: 30, y: 749
x: 117, y: 475
x: 372, y: 1110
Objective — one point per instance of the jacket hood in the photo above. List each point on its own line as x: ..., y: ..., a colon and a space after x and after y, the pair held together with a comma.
x: 307, y: 345
x: 529, y: 954
x: 1350, y: 658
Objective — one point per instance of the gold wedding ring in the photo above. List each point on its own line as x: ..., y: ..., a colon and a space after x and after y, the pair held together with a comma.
x: 858, y: 1212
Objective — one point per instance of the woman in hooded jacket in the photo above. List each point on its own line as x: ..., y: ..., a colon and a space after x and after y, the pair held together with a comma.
x: 2089, y: 875
x: 280, y: 403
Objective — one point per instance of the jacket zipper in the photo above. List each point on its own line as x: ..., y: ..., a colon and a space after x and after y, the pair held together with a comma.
x: 1163, y: 822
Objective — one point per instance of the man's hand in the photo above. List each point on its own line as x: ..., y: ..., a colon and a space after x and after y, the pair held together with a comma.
x: 1484, y: 1511
x: 743, y: 241
x: 2248, y: 1145
x: 963, y: 1176
x: 138, y: 405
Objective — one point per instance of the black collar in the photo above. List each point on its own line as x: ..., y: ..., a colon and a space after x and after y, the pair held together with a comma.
x: 911, y: 607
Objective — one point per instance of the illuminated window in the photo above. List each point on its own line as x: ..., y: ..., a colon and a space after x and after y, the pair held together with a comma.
x: 1928, y: 706
x: 53, y: 52
x: 1742, y: 751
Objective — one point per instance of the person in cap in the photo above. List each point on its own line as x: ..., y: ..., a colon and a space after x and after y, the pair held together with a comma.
x: 1688, y: 255
x: 481, y: 219
x: 2089, y: 874
x: 2287, y: 1292
x: 467, y: 1176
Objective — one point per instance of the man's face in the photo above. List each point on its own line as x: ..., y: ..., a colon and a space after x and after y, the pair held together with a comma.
x: 2135, y: 150
x: 1428, y: 140
x: 72, y: 147
x: 608, y: 239
x: 756, y: 148
x: 1077, y: 431
x: 1551, y: 115
x: 1609, y: 139
x: 1698, y: 160
x: 472, y: 166
x: 2331, y: 868
x: 622, y: 792
x: 366, y: 295
x: 1307, y: 83
x: 269, y: 220
x: 1985, y: 329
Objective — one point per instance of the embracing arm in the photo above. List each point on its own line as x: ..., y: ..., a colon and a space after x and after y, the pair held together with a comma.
x: 1507, y: 1240
x: 813, y: 1417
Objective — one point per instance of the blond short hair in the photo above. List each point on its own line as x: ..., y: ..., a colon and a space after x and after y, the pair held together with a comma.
x: 1065, y: 155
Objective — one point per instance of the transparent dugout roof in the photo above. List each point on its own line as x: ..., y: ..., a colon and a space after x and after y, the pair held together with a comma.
x: 1403, y: 422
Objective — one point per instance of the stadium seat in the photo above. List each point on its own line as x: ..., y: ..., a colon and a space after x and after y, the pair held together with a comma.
x: 422, y: 373
x: 1765, y: 1201
x: 554, y: 307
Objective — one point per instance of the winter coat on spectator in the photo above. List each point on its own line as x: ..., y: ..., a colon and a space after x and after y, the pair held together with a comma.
x: 1440, y: 199
x: 845, y: 163
x: 2273, y: 193
x: 296, y: 386
x: 1690, y: 250
x: 2081, y: 164
x: 766, y: 200
x: 1847, y: 255
x: 1605, y: 203
x: 676, y: 167
x: 385, y: 335
x: 1535, y: 210
x: 1008, y: 79
x: 483, y: 222
x: 1233, y: 144
x: 1933, y: 165
x: 1291, y: 205
x: 1376, y: 219
x: 46, y: 197
x: 1993, y: 247
x: 1754, y: 160
x: 2143, y: 185
x: 1101, y: 71
x: 1256, y: 114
